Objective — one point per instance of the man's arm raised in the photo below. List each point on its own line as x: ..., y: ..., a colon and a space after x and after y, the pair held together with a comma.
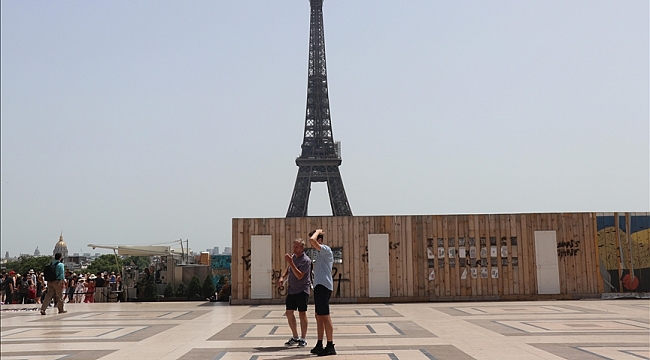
x: 313, y: 239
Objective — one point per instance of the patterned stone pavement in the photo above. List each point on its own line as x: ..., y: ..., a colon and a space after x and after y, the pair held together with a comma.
x: 585, y: 330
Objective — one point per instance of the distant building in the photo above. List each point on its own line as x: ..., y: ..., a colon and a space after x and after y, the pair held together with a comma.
x: 77, y: 262
x: 226, y: 250
x: 7, y: 255
x: 37, y: 252
x: 215, y: 250
x: 61, y: 247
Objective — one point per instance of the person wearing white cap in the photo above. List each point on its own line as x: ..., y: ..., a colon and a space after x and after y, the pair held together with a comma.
x: 90, y: 289
x: 32, y: 275
x: 80, y: 290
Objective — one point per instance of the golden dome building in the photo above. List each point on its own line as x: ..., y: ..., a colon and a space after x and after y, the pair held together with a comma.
x: 61, y: 247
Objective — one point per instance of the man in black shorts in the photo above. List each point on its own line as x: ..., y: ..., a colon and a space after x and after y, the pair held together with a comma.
x: 298, y: 273
x: 323, y: 286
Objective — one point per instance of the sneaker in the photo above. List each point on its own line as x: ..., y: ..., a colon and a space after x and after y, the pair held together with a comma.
x: 318, y: 348
x: 301, y: 342
x: 42, y: 312
x: 327, y: 351
x: 63, y: 312
x: 292, y: 342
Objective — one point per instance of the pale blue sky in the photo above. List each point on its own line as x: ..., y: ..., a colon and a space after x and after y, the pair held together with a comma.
x: 141, y: 122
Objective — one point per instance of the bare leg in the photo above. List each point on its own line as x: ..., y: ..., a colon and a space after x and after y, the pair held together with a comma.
x: 319, y: 327
x: 291, y: 318
x: 329, y: 328
x: 303, y: 323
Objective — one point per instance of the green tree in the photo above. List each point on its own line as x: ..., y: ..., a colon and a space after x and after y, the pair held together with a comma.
x: 181, y: 290
x: 208, y: 287
x: 169, y: 291
x: 150, y: 290
x: 24, y: 263
x: 194, y: 289
x: 140, y: 262
x: 103, y: 263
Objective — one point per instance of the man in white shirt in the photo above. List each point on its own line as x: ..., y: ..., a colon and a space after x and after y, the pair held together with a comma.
x: 323, y: 287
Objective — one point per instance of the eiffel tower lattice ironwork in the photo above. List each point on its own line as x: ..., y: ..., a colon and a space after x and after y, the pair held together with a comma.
x: 321, y: 157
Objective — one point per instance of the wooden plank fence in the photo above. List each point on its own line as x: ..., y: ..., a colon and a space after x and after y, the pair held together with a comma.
x: 433, y: 257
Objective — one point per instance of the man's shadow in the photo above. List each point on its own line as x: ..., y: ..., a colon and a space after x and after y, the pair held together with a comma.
x: 284, y: 348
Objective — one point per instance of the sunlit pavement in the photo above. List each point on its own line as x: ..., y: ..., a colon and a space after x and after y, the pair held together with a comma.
x: 581, y: 329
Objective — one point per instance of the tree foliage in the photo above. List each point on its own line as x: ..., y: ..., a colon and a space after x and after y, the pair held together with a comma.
x: 181, y: 290
x: 208, y: 287
x: 107, y: 262
x: 149, y: 289
x: 24, y: 263
x: 169, y: 291
x: 140, y: 262
x: 103, y: 263
x: 194, y: 288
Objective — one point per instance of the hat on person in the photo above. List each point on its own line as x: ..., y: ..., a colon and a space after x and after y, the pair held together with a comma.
x: 12, y: 272
x: 31, y: 271
x: 92, y: 277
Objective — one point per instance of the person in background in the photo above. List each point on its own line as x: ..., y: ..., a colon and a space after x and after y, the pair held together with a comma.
x: 72, y: 286
x: 90, y: 289
x: 39, y: 288
x: 79, y: 291
x: 32, y: 275
x: 23, y: 289
x: 147, y: 274
x: 118, y: 286
x: 3, y: 276
x: 31, y: 292
x: 66, y: 290
x: 99, y: 280
x: 113, y: 281
x: 44, y: 291
x: 10, y: 288
x: 55, y: 287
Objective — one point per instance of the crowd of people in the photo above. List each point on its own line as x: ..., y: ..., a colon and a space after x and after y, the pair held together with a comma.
x: 31, y: 287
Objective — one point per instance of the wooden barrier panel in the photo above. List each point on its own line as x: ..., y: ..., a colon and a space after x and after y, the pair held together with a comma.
x: 432, y: 257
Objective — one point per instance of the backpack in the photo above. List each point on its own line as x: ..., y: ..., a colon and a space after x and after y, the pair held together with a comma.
x: 49, y: 272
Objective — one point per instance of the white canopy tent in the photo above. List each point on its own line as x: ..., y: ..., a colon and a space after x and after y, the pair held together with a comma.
x: 149, y: 250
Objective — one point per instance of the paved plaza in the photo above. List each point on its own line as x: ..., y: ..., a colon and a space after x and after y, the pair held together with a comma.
x: 581, y: 329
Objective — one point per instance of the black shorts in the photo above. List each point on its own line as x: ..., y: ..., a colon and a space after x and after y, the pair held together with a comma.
x: 297, y: 301
x: 322, y: 300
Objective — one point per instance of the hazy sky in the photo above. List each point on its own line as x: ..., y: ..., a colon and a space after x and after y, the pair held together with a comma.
x: 141, y: 122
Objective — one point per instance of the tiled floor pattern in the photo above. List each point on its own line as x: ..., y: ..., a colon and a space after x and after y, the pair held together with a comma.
x: 589, y: 330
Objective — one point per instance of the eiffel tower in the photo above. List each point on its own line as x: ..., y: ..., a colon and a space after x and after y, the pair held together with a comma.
x: 321, y: 156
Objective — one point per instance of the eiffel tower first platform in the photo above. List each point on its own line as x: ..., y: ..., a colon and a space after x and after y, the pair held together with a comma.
x: 320, y: 157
